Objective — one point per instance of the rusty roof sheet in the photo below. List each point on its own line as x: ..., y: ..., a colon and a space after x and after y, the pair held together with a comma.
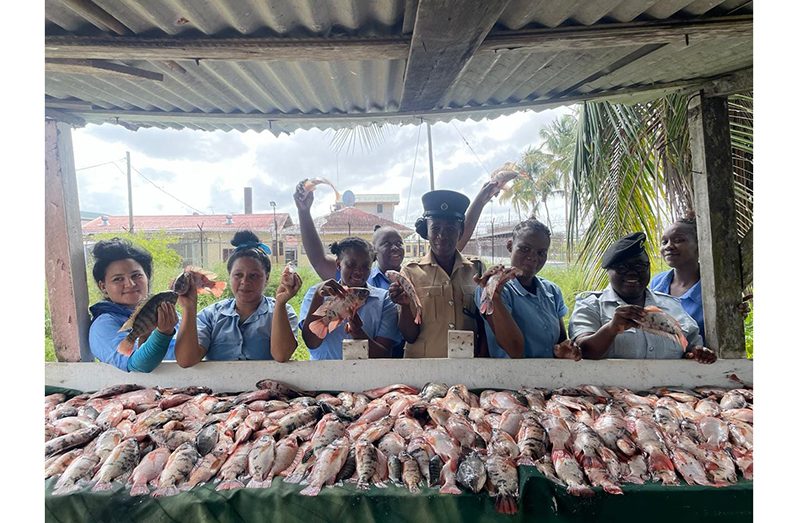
x: 344, y: 89
x: 189, y: 223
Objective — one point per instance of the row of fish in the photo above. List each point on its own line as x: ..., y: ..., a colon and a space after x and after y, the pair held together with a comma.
x: 449, y: 438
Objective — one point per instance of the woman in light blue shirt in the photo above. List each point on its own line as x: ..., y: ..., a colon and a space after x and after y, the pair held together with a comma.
x: 679, y: 249
x: 528, y: 311
x: 123, y: 272
x: 377, y: 320
x: 249, y: 326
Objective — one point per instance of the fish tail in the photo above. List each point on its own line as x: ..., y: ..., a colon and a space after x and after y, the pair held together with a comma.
x: 486, y: 307
x: 230, y: 484
x: 311, y: 490
x: 418, y: 316
x: 139, y: 489
x: 612, y: 488
x: 218, y: 288
x: 268, y: 482
x: 253, y: 483
x: 580, y: 491
x: 525, y: 460
x: 506, y: 504
x: 682, y: 340
x: 125, y: 347
x: 164, y: 492
x: 318, y: 328
x: 101, y: 486
x: 450, y: 489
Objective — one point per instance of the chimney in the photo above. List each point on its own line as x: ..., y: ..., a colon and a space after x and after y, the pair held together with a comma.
x: 229, y: 219
x: 247, y: 200
x: 104, y: 218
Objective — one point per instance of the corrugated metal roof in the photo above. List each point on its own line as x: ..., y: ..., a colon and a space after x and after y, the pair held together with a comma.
x: 376, y: 198
x: 350, y: 220
x: 538, y: 53
x: 190, y: 223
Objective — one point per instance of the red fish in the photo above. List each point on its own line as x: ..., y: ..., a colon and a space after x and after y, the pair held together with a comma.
x: 337, y: 310
x: 659, y: 322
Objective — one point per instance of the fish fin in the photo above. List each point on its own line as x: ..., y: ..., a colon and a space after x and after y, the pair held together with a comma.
x: 101, y: 486
x: 125, y: 347
x: 682, y: 341
x: 253, y: 483
x: 139, y: 489
x: 486, y: 307
x: 612, y: 488
x: 230, y: 484
x: 506, y: 504
x: 580, y: 491
x: 311, y: 490
x: 450, y: 489
x: 318, y: 328
x: 268, y: 482
x: 218, y: 288
x: 418, y: 316
x: 165, y: 491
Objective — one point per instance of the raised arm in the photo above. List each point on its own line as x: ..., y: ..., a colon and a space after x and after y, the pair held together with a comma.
x: 488, y: 191
x: 508, y: 334
x: 322, y: 263
x: 188, y: 351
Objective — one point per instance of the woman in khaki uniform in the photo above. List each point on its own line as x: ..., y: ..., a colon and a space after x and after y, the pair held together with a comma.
x: 443, y: 279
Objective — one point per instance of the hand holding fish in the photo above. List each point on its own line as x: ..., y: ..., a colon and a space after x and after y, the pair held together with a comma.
x: 489, y: 189
x: 290, y: 283
x: 167, y: 318
x: 701, y: 355
x: 302, y: 198
x: 331, y: 288
x: 398, y: 294
x: 568, y: 350
x: 355, y: 327
x: 627, y: 317
x: 493, y: 282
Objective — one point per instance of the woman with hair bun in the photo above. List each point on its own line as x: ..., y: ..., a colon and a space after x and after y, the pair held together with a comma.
x: 248, y: 326
x: 376, y: 320
x: 122, y: 272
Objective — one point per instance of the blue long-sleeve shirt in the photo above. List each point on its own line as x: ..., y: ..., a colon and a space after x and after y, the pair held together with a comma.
x: 104, y: 337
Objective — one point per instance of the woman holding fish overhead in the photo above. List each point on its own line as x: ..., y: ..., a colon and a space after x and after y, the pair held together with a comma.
x: 627, y: 320
x: 122, y: 272
x: 524, y: 313
x: 351, y: 308
x: 249, y: 326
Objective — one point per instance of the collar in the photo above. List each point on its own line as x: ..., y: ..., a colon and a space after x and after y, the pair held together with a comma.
x: 609, y: 295
x: 377, y: 272
x: 229, y: 308
x: 521, y: 290
x: 459, y: 261
x: 107, y: 306
x: 693, y: 293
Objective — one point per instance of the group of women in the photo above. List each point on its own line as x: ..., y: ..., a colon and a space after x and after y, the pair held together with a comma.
x: 522, y: 315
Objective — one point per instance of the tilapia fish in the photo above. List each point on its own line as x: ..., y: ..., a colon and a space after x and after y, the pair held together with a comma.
x: 148, y: 470
x: 310, y: 185
x: 504, y: 174
x: 410, y: 290
x: 336, y: 310
x: 143, y: 320
x: 328, y: 463
x: 504, y: 477
x: 486, y: 298
x: 657, y: 321
x: 471, y: 473
x: 73, y: 439
x: 177, y: 469
x: 202, y: 280
x: 119, y: 463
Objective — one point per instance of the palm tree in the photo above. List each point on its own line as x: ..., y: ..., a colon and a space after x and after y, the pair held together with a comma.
x: 632, y: 172
x: 559, y: 137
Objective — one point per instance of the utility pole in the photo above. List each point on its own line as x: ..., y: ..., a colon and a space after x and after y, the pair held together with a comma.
x: 276, y: 238
x: 202, y: 244
x: 492, y: 245
x: 129, y: 194
x: 429, y: 148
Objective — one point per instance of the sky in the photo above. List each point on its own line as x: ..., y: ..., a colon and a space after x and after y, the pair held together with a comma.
x: 206, y: 172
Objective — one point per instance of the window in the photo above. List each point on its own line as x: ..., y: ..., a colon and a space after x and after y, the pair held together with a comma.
x: 226, y: 254
x: 379, y: 208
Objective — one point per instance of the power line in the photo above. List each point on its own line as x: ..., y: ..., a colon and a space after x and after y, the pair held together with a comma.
x: 164, y: 190
x: 412, y: 173
x: 97, y: 165
x: 471, y: 148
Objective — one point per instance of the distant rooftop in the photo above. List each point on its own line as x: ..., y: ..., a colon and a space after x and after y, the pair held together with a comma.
x: 351, y: 220
x: 189, y: 223
x: 376, y: 198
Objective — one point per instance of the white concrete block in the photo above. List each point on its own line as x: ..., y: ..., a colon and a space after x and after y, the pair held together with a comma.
x: 461, y: 344
x: 356, y: 349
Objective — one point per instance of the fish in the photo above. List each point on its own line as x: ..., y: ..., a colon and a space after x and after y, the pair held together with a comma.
x: 115, y: 390
x: 532, y: 441
x: 282, y: 389
x: 328, y: 463
x: 504, y: 477
x: 433, y: 390
x: 657, y: 321
x: 394, y: 469
x: 260, y: 461
x: 338, y: 309
x: 177, y: 469
x: 200, y: 279
x: 60, y: 463
x: 148, y: 469
x: 435, y: 467
x: 143, y: 320
x: 207, y: 438
x: 73, y: 439
x: 119, y: 463
x: 410, y: 290
x: 285, y: 451
x: 411, y: 475
x: 207, y: 467
x: 486, y: 297
x: 471, y: 473
x: 392, y: 444
x: 448, y: 472
x: 365, y: 463
x: 309, y: 185
x: 235, y: 466
x: 171, y: 439
x: 733, y: 400
x: 77, y: 473
x: 504, y: 174
x: 568, y: 470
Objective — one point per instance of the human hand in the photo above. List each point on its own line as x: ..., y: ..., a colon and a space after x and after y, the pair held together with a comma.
x: 489, y: 190
x: 355, y: 326
x: 303, y: 199
x: 567, y: 350
x: 167, y: 318
x: 188, y: 301
x: 627, y: 317
x: 701, y: 355
x: 288, y: 288
x: 330, y: 288
x: 398, y: 294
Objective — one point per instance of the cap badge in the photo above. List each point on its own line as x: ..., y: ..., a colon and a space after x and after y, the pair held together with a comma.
x: 444, y: 206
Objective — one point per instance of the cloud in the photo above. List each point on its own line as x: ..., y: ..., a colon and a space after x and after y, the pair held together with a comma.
x: 172, y: 144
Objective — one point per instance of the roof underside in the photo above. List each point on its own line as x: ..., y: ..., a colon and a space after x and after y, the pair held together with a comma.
x: 281, y: 66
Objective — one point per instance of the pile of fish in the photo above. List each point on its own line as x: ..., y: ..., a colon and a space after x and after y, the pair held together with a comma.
x: 442, y: 437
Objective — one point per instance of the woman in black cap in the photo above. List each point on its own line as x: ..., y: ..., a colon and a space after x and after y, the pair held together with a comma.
x: 443, y: 279
x: 606, y: 324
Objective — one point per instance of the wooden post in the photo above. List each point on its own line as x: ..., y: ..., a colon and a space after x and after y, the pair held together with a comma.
x: 64, y: 258
x: 718, y: 246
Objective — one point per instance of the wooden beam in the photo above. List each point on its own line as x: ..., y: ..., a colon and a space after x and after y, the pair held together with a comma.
x: 718, y: 248
x: 445, y: 38
x: 70, y: 104
x: 737, y: 82
x: 392, y: 48
x: 65, y: 262
x: 98, y: 67
x: 62, y: 116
